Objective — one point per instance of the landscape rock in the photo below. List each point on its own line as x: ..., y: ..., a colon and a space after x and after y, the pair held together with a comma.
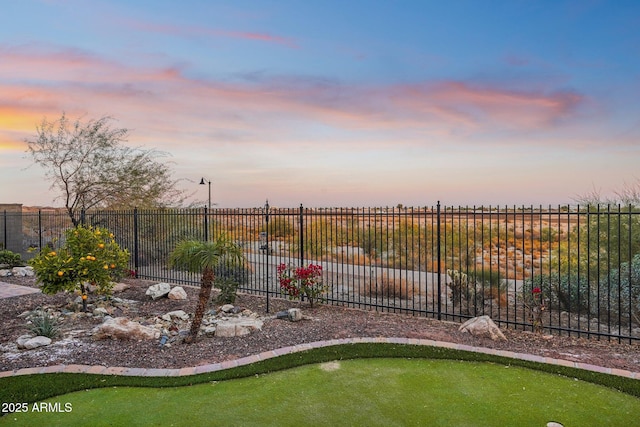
x: 177, y: 293
x: 22, y: 271
x: 119, y: 287
x: 158, y: 290
x: 293, y: 315
x: 226, y: 308
x: 22, y: 339
x: 123, y: 329
x: 27, y: 342
x: 5, y: 273
x: 237, y: 327
x: 177, y: 314
x: 100, y: 312
x: 483, y: 326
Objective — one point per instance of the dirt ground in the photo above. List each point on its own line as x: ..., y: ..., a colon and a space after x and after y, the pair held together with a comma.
x: 322, y: 322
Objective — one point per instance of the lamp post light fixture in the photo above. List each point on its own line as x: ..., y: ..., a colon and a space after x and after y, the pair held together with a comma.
x: 202, y: 182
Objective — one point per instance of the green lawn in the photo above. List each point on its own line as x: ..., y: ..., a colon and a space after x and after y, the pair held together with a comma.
x: 380, y: 391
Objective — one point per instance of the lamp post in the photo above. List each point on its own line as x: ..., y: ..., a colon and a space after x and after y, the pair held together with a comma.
x: 202, y: 182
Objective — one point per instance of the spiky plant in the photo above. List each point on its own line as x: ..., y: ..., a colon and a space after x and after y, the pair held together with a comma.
x: 43, y: 323
x: 203, y: 257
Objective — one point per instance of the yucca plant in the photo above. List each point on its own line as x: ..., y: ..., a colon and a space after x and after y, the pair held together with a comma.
x: 203, y: 257
x: 44, y: 324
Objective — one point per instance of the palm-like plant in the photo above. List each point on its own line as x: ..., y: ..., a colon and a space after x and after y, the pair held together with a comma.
x: 202, y: 257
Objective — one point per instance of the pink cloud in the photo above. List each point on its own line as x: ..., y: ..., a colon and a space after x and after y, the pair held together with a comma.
x: 187, y: 31
x: 166, y: 103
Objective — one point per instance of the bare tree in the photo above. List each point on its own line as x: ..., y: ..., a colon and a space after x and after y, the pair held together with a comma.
x: 90, y: 167
x: 629, y: 194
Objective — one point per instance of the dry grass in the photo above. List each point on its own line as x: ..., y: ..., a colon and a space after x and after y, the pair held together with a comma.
x: 391, y: 287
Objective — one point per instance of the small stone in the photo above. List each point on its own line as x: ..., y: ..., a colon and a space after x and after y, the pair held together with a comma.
x: 177, y: 293
x: 554, y: 424
x: 226, y: 308
x: 295, y: 314
x: 158, y: 290
x: 5, y: 273
x: 100, y: 312
x: 119, y: 287
x: 22, y: 271
x: 22, y: 339
x: 177, y: 314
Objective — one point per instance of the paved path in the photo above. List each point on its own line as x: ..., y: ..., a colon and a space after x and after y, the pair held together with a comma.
x: 8, y: 290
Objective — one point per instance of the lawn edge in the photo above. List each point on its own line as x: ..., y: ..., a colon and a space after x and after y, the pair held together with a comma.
x: 36, y: 386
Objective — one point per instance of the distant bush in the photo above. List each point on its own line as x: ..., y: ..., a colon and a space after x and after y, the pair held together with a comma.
x: 10, y: 259
x: 391, y: 287
x: 565, y: 292
x: 621, y: 293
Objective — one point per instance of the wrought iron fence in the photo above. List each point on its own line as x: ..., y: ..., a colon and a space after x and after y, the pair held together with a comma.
x: 573, y: 270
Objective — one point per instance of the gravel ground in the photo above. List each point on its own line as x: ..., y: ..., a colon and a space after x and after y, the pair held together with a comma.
x: 322, y: 322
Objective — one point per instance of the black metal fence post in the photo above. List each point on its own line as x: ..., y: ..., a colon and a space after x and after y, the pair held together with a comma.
x: 4, y: 233
x: 439, y: 268
x: 206, y: 225
x: 39, y: 229
x: 136, y: 249
x: 266, y: 251
x: 301, y: 235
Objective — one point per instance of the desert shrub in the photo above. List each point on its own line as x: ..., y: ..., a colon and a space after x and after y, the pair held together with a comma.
x: 280, y: 227
x: 228, y: 288
x: 373, y: 241
x: 228, y: 278
x: 473, y: 292
x: 9, y: 258
x: 489, y: 282
x: 621, y: 293
x: 43, y: 323
x: 564, y: 292
x: 391, y: 287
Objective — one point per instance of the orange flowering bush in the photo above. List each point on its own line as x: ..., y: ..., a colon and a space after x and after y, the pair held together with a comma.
x: 88, y: 256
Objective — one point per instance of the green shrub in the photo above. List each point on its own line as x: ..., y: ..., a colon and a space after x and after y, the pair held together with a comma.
x: 621, y: 293
x: 43, y: 323
x: 9, y: 258
x: 228, y: 288
x: 565, y: 292
x: 89, y: 255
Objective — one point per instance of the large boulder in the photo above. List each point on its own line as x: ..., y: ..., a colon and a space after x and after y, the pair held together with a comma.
x: 124, y: 329
x: 483, y: 326
x: 177, y: 293
x: 158, y: 290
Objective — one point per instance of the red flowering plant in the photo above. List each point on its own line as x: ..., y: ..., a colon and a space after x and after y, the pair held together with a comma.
x: 300, y: 282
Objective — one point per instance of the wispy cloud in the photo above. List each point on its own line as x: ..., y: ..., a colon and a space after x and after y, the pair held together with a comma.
x: 199, y: 31
x: 168, y: 101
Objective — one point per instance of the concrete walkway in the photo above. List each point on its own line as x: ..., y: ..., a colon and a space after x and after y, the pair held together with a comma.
x: 8, y: 290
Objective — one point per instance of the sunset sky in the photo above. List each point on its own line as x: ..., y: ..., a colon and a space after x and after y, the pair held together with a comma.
x: 336, y: 103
